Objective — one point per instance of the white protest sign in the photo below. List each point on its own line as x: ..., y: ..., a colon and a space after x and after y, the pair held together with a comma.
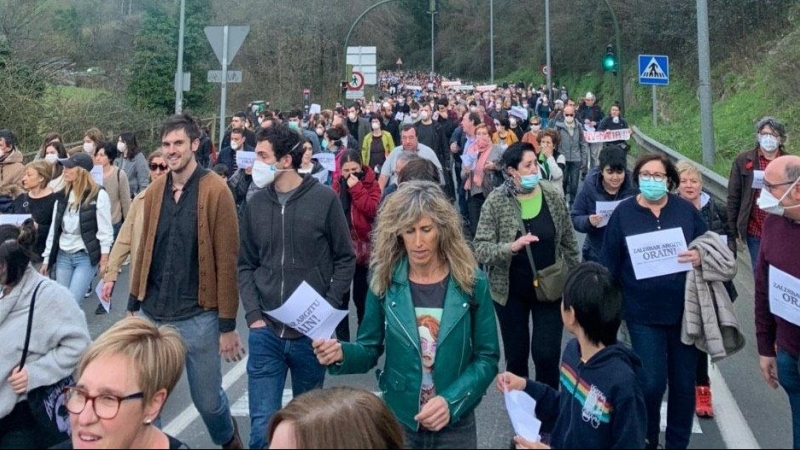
x: 328, y: 161
x: 784, y: 295
x: 605, y: 209
x: 13, y: 219
x: 314, y: 108
x: 522, y: 412
x: 97, y: 174
x: 595, y: 137
x: 758, y: 179
x: 245, y: 159
x: 469, y: 160
x: 99, y: 292
x: 656, y: 254
x: 307, y: 312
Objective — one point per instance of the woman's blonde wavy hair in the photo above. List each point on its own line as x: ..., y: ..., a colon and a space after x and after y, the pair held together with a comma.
x: 402, y: 210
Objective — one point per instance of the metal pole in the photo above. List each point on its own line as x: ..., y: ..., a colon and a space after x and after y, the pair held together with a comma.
x: 491, y: 41
x: 620, y: 78
x: 433, y: 13
x: 352, y: 27
x: 655, y: 107
x: 179, y: 72
x: 704, y: 90
x: 547, y: 43
x: 224, y: 98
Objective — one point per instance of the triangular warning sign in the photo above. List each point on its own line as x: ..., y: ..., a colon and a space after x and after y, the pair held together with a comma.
x: 653, y: 70
x: 399, y: 62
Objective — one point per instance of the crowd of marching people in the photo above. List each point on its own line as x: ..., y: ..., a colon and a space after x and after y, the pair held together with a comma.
x: 448, y: 216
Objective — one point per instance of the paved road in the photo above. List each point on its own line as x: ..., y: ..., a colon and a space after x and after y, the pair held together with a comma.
x: 750, y: 415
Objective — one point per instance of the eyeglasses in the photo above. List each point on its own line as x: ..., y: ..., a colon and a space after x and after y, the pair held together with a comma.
x: 569, y: 115
x: 106, y: 406
x: 769, y: 186
x: 652, y: 177
x: 161, y: 167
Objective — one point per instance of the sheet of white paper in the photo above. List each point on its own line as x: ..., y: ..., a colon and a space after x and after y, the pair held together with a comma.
x: 97, y: 174
x: 99, y: 292
x: 399, y: 117
x: 314, y: 108
x: 606, y: 209
x: 784, y: 295
x: 245, y: 159
x: 307, y: 312
x: 588, y: 128
x: 656, y: 254
x: 758, y: 179
x: 522, y: 412
x: 328, y: 161
x: 13, y: 219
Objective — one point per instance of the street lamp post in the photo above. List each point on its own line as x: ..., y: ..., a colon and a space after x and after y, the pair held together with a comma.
x: 179, y: 71
x: 491, y: 41
x: 352, y: 27
x: 620, y: 76
x: 547, y: 42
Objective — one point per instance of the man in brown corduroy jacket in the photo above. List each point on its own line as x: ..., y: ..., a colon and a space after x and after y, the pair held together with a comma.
x: 184, y: 272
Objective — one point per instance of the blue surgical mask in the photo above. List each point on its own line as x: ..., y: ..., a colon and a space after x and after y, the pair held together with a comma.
x: 653, y: 190
x: 324, y: 144
x: 529, y: 182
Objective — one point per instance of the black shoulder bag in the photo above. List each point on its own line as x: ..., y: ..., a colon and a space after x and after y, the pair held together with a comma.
x: 47, y: 403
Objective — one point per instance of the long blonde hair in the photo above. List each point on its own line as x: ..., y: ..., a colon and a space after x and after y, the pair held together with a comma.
x: 403, y: 209
x: 84, y: 186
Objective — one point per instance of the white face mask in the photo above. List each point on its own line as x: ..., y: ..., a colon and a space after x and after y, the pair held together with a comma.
x: 569, y: 120
x: 122, y: 147
x: 234, y: 145
x: 512, y: 122
x: 771, y: 205
x: 51, y: 158
x: 423, y: 115
x: 352, y: 117
x: 88, y: 147
x: 768, y: 142
x: 376, y: 126
x: 263, y: 174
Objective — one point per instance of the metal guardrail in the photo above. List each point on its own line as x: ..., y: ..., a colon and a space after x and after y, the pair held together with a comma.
x: 713, y: 183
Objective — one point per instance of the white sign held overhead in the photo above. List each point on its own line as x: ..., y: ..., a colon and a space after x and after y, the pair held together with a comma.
x: 236, y: 36
x: 234, y: 76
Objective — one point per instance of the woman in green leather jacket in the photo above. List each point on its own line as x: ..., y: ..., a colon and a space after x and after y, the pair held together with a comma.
x: 430, y: 308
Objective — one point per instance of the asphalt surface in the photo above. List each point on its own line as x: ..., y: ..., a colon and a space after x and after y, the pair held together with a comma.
x: 764, y: 411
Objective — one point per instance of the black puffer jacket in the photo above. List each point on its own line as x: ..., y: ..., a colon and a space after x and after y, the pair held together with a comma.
x: 717, y: 220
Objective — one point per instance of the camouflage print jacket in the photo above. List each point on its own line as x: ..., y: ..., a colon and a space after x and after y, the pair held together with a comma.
x: 498, y: 227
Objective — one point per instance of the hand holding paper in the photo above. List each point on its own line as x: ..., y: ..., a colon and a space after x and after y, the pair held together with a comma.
x: 522, y: 412
x: 307, y: 312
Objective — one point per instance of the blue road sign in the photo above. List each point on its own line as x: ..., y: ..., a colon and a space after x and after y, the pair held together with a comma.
x: 654, y: 70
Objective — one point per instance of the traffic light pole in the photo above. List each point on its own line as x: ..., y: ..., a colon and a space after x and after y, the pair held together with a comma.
x: 620, y: 80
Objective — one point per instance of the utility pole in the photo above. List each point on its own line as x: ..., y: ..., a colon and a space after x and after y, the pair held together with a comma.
x: 432, y: 6
x: 704, y: 90
x: 491, y: 41
x: 547, y: 43
x: 179, y: 71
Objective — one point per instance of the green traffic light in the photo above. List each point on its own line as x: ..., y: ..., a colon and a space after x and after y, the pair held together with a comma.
x: 609, y: 62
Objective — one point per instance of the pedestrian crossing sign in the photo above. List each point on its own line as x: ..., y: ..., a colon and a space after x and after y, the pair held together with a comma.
x: 654, y: 70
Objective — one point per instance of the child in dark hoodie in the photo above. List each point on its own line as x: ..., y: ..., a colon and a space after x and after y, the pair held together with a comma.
x: 600, y: 404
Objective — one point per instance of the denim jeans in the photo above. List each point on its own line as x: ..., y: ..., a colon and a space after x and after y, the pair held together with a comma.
x: 76, y: 272
x: 789, y: 377
x: 753, y: 245
x: 462, y: 434
x: 200, y: 334
x: 270, y: 359
x: 664, y: 357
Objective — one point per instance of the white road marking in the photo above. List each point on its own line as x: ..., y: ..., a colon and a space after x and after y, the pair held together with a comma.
x: 695, y: 423
x: 733, y: 427
x: 190, y: 414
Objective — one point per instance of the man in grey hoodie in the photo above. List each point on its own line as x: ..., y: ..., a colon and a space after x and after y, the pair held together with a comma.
x: 293, y: 230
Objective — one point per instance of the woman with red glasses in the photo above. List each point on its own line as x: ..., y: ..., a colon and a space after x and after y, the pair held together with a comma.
x: 128, y: 238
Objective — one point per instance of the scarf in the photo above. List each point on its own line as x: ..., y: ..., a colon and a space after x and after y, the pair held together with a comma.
x: 482, y: 148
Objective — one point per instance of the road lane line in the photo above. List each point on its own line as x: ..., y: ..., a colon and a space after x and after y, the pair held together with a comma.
x: 729, y: 418
x: 190, y: 414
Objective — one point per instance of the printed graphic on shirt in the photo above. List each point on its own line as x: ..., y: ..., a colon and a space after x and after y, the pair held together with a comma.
x: 428, y: 320
x: 596, y: 408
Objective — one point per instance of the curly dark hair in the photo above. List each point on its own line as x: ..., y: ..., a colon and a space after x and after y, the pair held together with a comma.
x: 285, y: 141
